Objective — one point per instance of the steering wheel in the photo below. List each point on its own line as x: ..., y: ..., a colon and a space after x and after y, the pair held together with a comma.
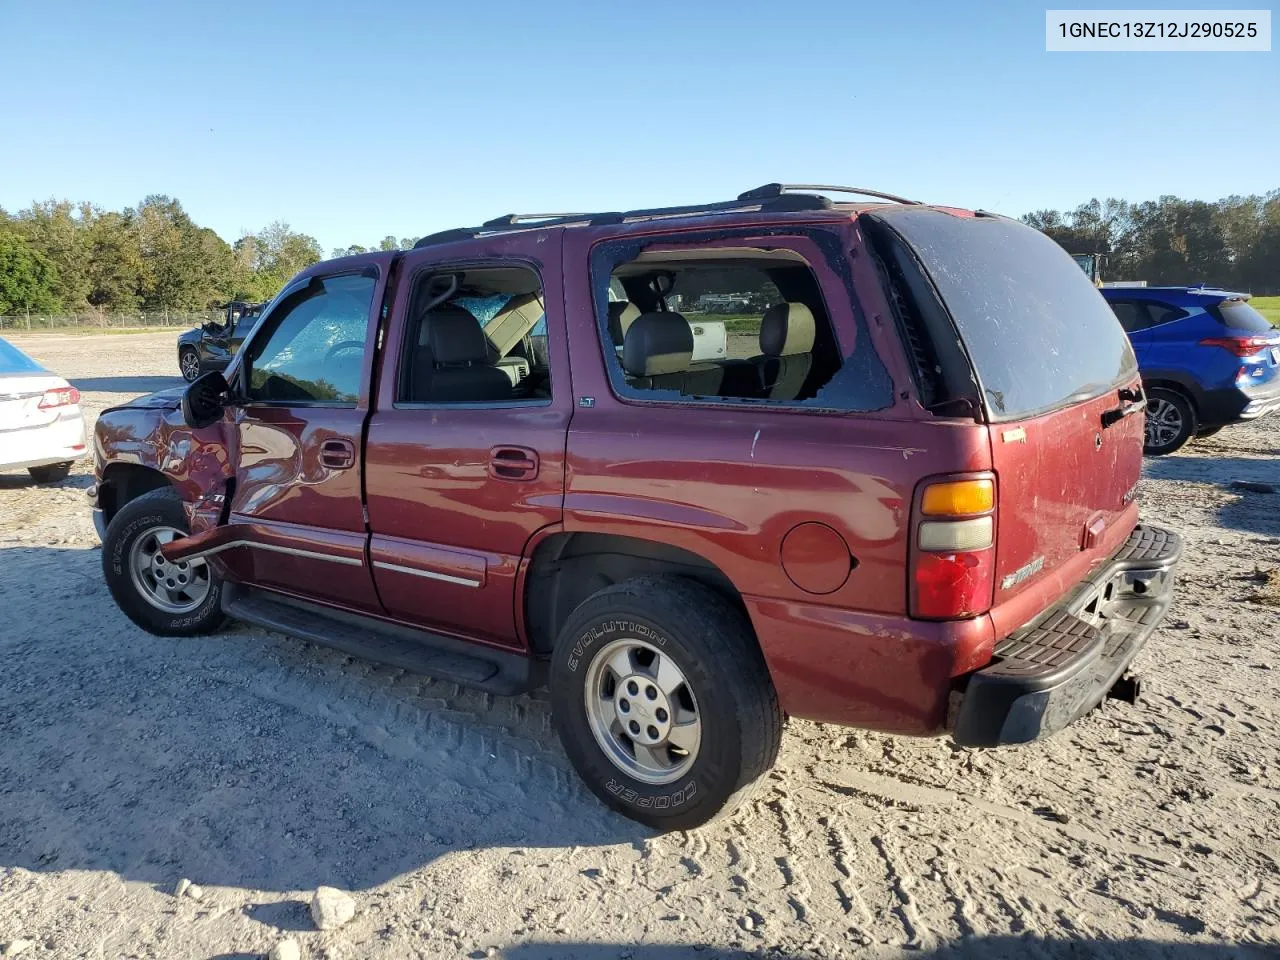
x: 337, y: 348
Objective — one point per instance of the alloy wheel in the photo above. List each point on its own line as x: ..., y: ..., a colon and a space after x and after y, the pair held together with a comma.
x: 1164, y: 422
x: 172, y: 587
x: 642, y: 711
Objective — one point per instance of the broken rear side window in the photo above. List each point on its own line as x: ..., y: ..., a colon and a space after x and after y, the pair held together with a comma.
x: 743, y: 324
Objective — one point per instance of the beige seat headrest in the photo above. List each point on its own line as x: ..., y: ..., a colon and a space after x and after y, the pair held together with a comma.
x: 787, y: 329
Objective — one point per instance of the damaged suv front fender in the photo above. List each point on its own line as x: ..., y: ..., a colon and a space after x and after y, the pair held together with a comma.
x: 145, y: 444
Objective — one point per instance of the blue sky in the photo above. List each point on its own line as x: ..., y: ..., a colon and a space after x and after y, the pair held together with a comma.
x: 353, y: 121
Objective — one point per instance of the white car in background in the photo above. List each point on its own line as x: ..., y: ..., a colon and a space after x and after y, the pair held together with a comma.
x: 41, y: 427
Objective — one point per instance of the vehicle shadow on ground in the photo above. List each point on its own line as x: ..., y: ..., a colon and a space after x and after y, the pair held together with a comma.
x: 20, y: 481
x: 141, y: 384
x: 1255, y: 511
x: 250, y: 760
x: 973, y: 948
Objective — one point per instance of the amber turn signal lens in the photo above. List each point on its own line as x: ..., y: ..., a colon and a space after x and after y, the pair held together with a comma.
x: 958, y: 498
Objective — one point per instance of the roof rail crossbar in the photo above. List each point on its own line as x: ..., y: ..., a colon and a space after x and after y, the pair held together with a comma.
x: 778, y: 189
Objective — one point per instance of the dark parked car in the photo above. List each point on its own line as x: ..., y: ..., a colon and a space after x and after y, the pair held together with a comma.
x: 212, y: 346
x: 899, y: 510
x: 1207, y: 358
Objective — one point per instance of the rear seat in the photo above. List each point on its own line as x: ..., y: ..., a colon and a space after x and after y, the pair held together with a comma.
x: 622, y: 313
x: 787, y: 332
x: 657, y: 350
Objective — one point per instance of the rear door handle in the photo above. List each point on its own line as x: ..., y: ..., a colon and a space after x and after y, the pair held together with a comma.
x: 337, y: 453
x: 513, y: 463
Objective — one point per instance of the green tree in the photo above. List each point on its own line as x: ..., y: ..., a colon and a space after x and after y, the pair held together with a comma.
x: 114, y: 266
x: 267, y: 260
x: 55, y: 229
x: 27, y: 278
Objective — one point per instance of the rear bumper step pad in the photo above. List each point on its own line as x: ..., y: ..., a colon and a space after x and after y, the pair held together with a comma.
x: 1048, y: 673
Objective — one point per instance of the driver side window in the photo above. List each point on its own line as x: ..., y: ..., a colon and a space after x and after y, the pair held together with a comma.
x: 313, y: 351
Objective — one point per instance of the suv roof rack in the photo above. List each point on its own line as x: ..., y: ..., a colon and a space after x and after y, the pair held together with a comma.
x: 769, y: 190
x: 512, y: 222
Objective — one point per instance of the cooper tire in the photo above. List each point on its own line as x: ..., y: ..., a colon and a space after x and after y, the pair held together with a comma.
x: 138, y: 519
x: 710, y: 643
x: 1171, y: 422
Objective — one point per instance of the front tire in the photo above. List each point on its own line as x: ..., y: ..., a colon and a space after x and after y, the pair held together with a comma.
x: 189, y: 364
x: 50, y: 473
x: 1170, y: 422
x: 167, y: 599
x: 663, y: 702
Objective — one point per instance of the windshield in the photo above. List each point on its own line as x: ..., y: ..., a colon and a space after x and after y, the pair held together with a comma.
x: 1037, y: 331
x: 13, y: 360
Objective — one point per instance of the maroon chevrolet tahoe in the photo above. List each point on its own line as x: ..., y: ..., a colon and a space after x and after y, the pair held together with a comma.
x: 697, y: 469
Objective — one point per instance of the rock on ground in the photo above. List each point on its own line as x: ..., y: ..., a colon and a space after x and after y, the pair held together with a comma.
x: 331, y: 908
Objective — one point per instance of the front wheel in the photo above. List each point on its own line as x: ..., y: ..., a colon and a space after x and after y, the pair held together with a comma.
x: 168, y: 599
x: 663, y: 702
x: 1170, y: 422
x: 189, y: 364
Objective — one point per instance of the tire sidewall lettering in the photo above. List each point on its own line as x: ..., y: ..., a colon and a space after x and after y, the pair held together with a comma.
x: 652, y: 801
x: 608, y: 630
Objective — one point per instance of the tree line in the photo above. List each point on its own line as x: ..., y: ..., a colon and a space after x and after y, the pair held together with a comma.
x: 1232, y: 243
x: 59, y: 256
x: 64, y: 257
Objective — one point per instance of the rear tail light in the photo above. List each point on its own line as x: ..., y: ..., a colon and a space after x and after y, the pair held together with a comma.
x: 1240, y: 346
x: 59, y: 397
x: 953, y: 549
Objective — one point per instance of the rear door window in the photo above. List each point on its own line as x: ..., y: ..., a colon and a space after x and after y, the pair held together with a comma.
x: 1038, y: 333
x: 1130, y: 315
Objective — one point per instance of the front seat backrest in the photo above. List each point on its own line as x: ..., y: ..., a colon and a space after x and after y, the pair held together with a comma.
x: 657, y: 350
x: 787, y: 333
x: 452, y: 364
x: 513, y: 322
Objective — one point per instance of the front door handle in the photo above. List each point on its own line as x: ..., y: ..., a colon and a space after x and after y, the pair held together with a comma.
x: 513, y: 463
x: 337, y: 453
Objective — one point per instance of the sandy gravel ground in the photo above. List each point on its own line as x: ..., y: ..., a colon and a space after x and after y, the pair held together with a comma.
x: 261, y: 767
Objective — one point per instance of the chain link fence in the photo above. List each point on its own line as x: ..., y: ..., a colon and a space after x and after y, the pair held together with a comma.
x: 91, y: 321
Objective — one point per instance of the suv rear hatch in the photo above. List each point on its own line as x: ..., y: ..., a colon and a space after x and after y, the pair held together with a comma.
x: 1003, y: 327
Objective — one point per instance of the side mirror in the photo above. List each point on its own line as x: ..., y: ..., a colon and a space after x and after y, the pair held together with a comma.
x: 204, y: 400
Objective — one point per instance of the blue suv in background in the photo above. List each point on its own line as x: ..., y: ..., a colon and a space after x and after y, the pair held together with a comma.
x: 1207, y: 359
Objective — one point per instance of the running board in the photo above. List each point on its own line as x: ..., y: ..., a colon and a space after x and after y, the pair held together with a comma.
x: 418, y: 651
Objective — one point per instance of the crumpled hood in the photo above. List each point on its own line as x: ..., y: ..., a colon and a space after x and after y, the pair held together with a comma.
x: 160, y: 400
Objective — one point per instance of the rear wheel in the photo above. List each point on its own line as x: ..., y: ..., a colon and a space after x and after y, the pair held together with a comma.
x: 663, y: 702
x: 50, y: 473
x: 1170, y: 422
x: 189, y: 364
x: 170, y: 599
